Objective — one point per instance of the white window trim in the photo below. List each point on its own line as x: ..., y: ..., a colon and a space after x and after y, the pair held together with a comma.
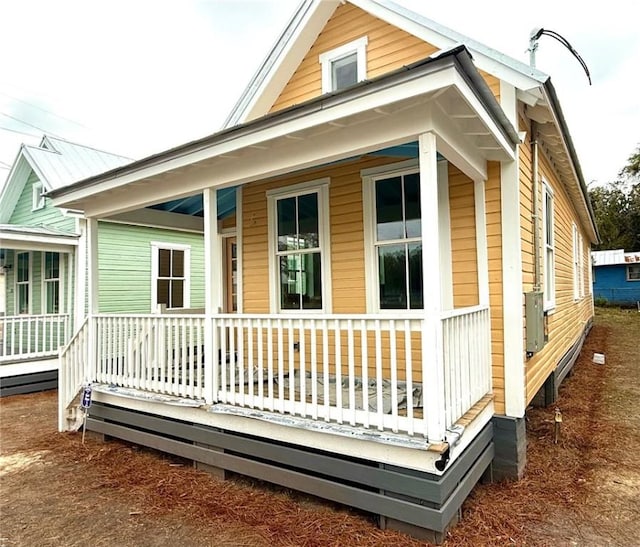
x: 321, y: 187
x: 369, y: 176
x: 550, y: 284
x: 29, y: 284
x: 37, y: 199
x: 627, y: 272
x: 358, y: 46
x: 581, y: 275
x: 576, y: 263
x: 155, y: 247
x: 44, y: 281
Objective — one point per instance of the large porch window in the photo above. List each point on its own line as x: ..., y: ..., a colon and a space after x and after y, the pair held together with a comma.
x: 297, y: 220
x: 394, y: 204
x: 51, y: 282
x: 23, y: 286
x: 170, y: 270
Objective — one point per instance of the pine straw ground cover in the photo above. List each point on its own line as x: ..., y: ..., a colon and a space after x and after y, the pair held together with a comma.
x: 55, y: 491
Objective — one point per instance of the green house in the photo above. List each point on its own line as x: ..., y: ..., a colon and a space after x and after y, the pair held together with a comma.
x: 142, y: 267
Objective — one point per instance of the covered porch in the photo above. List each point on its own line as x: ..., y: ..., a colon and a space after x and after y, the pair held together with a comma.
x: 39, y: 265
x: 296, y: 347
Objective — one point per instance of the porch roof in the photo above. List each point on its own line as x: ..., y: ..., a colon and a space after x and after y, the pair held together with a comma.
x: 443, y: 93
x: 36, y: 238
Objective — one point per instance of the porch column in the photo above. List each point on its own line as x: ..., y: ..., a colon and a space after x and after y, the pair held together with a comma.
x: 213, y: 292
x: 481, y: 243
x: 81, y: 275
x: 432, y: 348
x: 444, y: 221
x: 93, y: 286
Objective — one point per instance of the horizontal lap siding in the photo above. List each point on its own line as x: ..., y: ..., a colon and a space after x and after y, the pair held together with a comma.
x: 494, y: 243
x: 463, y: 239
x: 567, y: 321
x: 125, y: 266
x: 388, y: 49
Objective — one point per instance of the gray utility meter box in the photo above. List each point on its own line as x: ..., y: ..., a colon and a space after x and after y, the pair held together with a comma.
x: 534, y: 321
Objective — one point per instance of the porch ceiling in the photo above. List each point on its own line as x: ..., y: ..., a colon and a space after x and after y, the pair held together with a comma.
x: 438, y: 95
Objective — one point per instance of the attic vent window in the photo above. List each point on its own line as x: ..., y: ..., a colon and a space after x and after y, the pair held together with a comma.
x: 37, y: 197
x: 344, y: 66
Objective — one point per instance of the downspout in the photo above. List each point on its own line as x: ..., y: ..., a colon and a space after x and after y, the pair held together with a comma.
x: 535, y: 216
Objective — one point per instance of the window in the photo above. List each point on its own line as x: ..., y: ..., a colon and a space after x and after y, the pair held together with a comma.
x: 633, y: 272
x: 23, y: 272
x: 170, y: 271
x: 549, y: 248
x: 299, y: 239
x: 344, y: 66
x: 578, y: 265
x: 37, y: 196
x: 393, y: 208
x: 51, y: 282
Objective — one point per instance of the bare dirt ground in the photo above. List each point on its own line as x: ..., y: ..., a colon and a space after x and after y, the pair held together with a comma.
x: 584, y: 490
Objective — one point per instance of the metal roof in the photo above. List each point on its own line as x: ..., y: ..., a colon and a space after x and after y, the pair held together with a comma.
x: 613, y: 257
x: 60, y: 163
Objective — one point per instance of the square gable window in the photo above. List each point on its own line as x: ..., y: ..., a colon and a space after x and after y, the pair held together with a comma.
x: 344, y: 66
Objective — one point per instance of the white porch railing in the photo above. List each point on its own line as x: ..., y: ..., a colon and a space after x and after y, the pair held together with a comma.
x: 32, y: 336
x: 362, y: 370
x: 74, y: 369
x: 467, y: 358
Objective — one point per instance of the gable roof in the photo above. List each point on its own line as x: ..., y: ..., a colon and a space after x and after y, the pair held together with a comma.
x: 532, y: 86
x: 310, y: 18
x: 57, y: 163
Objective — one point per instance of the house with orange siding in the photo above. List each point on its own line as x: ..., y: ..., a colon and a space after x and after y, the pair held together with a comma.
x: 405, y: 272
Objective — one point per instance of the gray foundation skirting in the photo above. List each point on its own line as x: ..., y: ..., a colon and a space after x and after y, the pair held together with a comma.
x: 418, y: 503
x: 28, y: 383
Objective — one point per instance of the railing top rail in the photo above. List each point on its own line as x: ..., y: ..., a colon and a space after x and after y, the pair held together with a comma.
x: 463, y: 311
x: 26, y: 316
x: 65, y: 348
x: 265, y: 316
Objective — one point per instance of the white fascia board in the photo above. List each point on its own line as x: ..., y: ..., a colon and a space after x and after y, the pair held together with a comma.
x: 497, y: 64
x: 394, y: 93
x: 36, y: 168
x: 164, y: 220
x: 297, y: 46
x: 14, y: 186
x: 32, y: 242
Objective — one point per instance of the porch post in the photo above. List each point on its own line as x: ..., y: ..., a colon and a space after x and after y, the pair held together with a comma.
x: 212, y: 254
x: 432, y: 347
x: 93, y: 305
x: 81, y: 273
x: 481, y: 243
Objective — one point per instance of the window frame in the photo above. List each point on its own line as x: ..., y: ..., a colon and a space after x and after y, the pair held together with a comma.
x: 372, y: 280
x: 156, y: 247
x: 628, y: 268
x: 326, y: 60
x: 27, y: 283
x: 321, y: 188
x: 37, y: 198
x: 548, y: 255
x: 48, y: 281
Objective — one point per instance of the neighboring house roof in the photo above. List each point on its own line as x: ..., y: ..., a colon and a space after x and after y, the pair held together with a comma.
x: 613, y: 257
x: 57, y: 164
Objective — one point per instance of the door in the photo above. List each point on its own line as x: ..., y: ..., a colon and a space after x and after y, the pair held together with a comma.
x: 231, y: 275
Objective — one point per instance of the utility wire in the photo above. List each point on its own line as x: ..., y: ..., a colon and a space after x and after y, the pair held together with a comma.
x: 3, y: 128
x: 43, y: 109
x: 30, y: 124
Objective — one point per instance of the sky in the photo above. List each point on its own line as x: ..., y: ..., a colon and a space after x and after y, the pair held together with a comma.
x: 135, y: 77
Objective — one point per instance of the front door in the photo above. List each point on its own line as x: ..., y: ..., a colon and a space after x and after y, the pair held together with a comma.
x: 230, y: 275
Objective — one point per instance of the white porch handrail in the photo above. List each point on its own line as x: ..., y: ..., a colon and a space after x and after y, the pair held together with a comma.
x: 467, y: 359
x: 32, y: 336
x: 72, y: 371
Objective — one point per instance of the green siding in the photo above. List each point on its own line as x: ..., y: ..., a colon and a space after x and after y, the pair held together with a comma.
x: 124, y: 256
x: 49, y: 216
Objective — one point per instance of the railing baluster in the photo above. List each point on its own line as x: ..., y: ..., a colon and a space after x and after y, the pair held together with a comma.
x: 408, y: 363
x: 393, y: 354
x: 280, y: 366
x: 379, y: 404
x: 351, y: 366
x: 325, y: 368
x: 364, y: 345
x: 292, y: 365
x: 302, y: 349
x: 338, y: 361
x: 313, y: 350
x: 270, y: 374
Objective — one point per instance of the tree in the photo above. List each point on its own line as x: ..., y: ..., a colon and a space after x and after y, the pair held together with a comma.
x: 617, y: 208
